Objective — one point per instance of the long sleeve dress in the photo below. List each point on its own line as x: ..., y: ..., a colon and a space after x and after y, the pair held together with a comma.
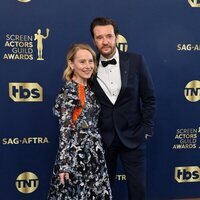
x: 80, y: 150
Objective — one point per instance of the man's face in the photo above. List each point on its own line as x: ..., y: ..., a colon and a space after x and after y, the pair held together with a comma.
x: 105, y: 40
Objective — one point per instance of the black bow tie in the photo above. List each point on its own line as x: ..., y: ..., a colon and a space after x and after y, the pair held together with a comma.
x: 112, y: 62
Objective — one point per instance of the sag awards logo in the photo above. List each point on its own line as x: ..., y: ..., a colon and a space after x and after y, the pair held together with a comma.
x: 194, y: 3
x: 27, y: 182
x: 21, y: 47
x: 122, y: 43
x: 186, y: 138
x: 187, y: 174
x: 25, y: 92
x: 192, y: 91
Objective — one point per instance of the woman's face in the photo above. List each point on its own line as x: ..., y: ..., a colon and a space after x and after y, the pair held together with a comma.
x: 83, y: 66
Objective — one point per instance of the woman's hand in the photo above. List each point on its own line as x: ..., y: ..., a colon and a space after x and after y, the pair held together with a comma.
x: 63, y: 176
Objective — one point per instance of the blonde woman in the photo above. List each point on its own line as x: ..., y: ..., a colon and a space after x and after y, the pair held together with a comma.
x: 80, y: 171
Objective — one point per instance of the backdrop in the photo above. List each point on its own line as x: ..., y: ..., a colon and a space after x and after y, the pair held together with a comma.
x: 35, y: 37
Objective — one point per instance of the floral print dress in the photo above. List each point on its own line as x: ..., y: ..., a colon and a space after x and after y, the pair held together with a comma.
x: 80, y: 150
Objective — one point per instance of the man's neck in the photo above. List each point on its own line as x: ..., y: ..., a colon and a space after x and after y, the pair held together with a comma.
x: 111, y: 55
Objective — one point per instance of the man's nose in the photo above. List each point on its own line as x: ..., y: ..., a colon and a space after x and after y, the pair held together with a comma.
x: 105, y: 41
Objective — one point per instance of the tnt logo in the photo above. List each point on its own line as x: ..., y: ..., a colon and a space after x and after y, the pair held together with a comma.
x: 27, y: 182
x: 25, y: 92
x: 187, y: 174
x: 122, y: 43
x: 194, y: 3
x: 192, y: 91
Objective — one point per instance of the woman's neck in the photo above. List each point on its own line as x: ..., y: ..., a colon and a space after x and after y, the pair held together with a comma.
x: 81, y: 82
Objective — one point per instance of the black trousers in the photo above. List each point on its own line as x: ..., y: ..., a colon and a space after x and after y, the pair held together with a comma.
x: 134, y: 164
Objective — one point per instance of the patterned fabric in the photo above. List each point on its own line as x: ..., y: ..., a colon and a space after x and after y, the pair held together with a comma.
x: 80, y: 150
x: 81, y: 96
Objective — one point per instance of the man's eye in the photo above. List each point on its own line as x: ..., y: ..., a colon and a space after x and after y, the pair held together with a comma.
x: 109, y: 36
x: 99, y: 38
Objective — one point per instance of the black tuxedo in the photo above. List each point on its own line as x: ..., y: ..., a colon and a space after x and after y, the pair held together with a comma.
x: 132, y: 114
x: 129, y: 119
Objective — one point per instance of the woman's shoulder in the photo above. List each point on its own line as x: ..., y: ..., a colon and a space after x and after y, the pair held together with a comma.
x: 67, y: 96
x: 68, y: 91
x: 68, y: 86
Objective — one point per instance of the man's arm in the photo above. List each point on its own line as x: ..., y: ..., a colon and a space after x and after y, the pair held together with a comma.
x: 148, y: 99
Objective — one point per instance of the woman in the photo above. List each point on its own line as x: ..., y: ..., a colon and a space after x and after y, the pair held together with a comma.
x: 80, y: 172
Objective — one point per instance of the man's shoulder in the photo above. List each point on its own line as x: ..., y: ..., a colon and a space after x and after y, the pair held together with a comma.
x: 130, y: 55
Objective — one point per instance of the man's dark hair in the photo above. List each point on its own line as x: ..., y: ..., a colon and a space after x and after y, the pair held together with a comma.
x: 103, y: 21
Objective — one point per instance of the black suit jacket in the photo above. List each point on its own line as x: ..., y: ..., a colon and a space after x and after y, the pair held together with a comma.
x: 131, y: 117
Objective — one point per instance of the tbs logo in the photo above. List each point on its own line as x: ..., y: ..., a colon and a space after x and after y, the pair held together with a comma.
x: 187, y: 174
x: 25, y: 92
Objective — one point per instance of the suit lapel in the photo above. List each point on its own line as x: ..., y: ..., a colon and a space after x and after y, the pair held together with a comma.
x: 99, y: 91
x: 124, y: 69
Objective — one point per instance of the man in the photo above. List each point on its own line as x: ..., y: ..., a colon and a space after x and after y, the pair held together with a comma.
x: 124, y: 88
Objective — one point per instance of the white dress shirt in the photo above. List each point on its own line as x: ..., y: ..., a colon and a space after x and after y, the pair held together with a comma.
x: 109, y: 77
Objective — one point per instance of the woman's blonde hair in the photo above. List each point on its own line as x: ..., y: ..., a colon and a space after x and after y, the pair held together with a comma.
x: 68, y: 72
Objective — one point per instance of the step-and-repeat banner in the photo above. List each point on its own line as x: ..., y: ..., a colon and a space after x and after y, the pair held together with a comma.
x: 34, y: 39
